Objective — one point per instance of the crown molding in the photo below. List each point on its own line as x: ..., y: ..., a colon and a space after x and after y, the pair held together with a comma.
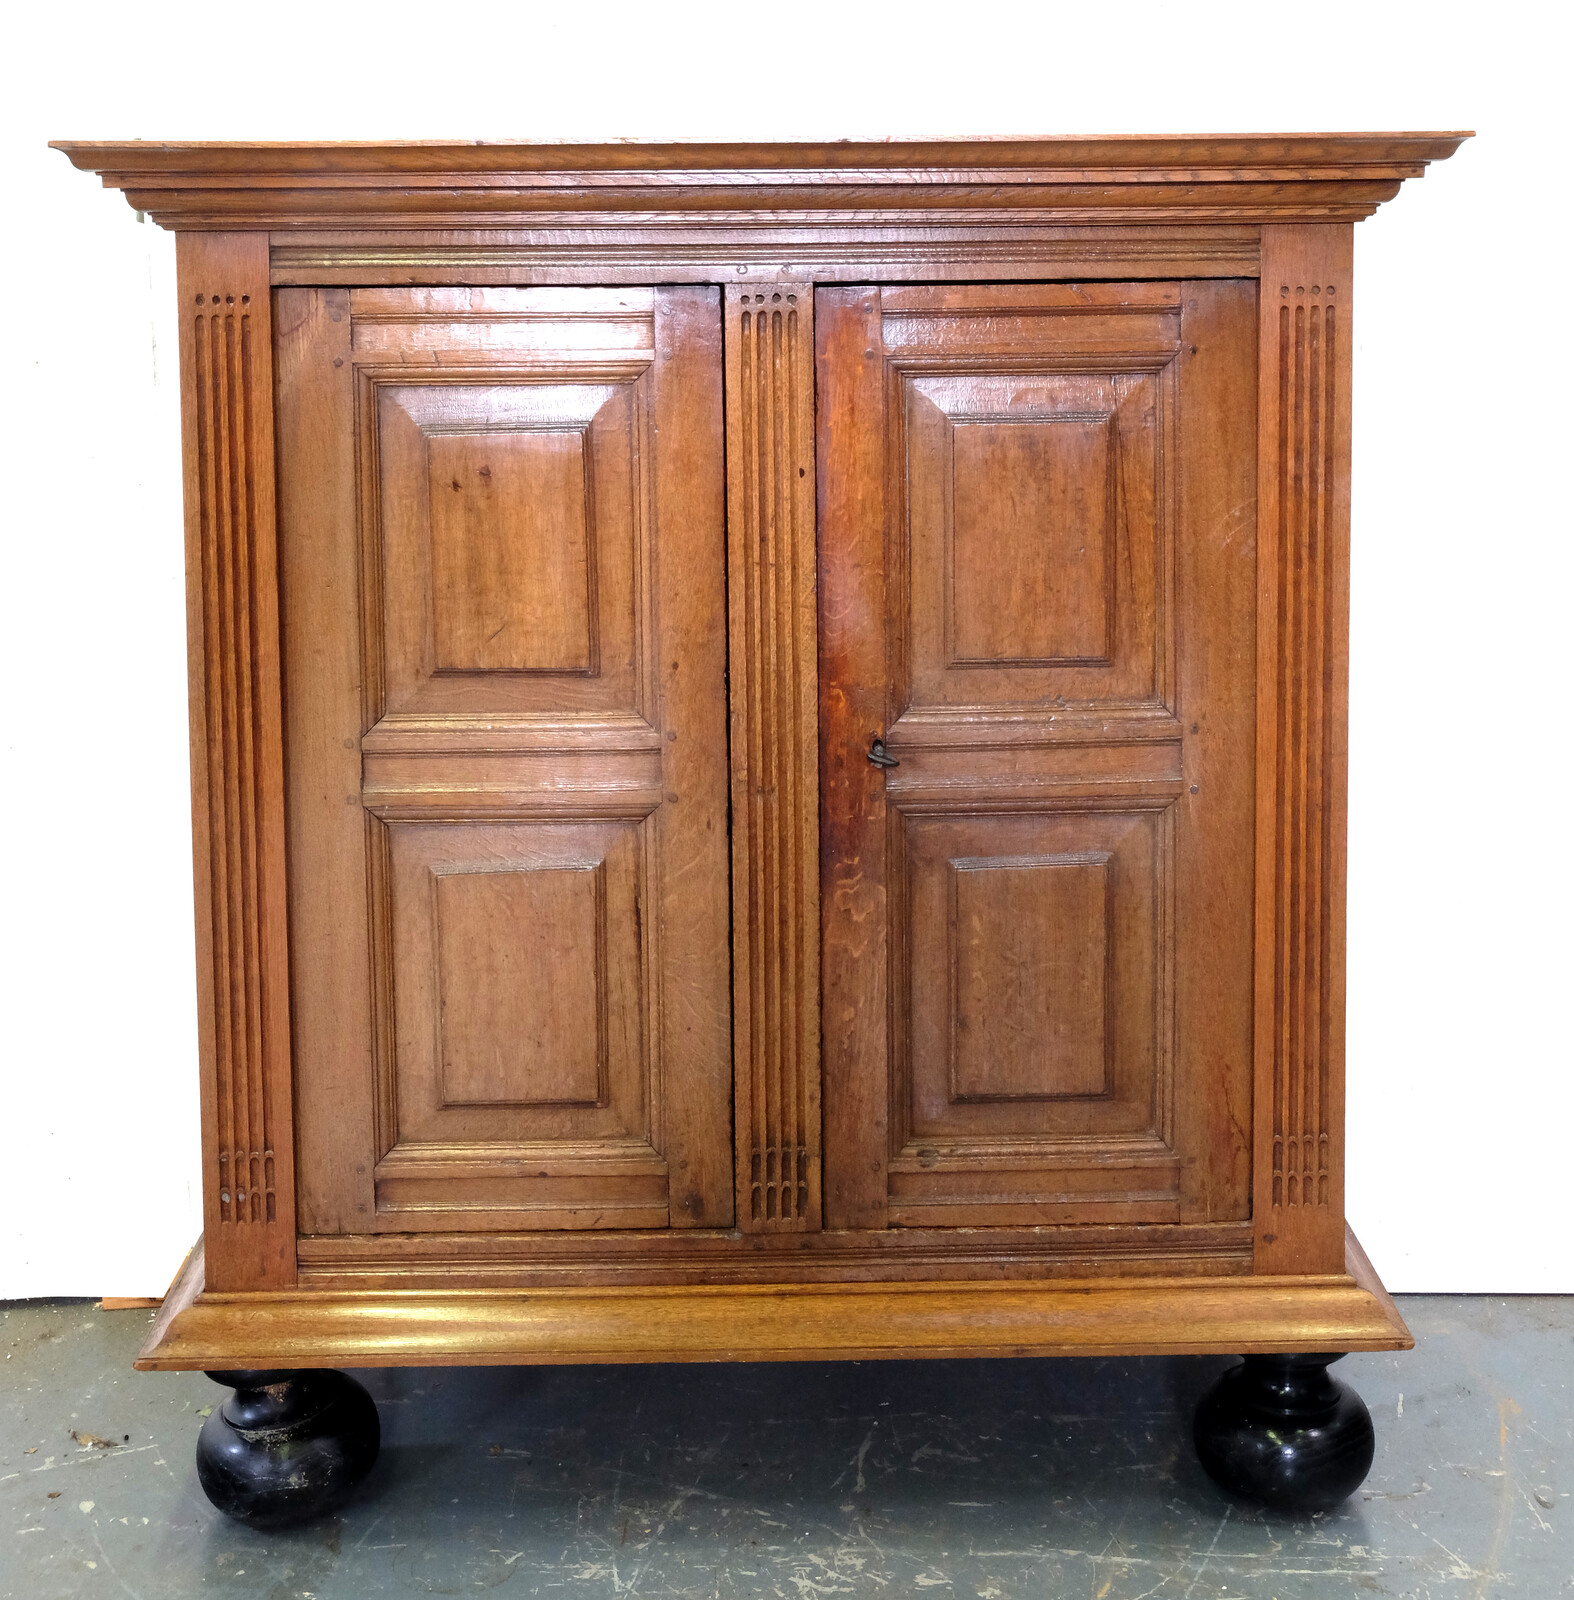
x: 944, y: 183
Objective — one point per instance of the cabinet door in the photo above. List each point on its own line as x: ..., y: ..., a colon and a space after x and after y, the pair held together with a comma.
x: 1038, y: 590
x: 504, y: 621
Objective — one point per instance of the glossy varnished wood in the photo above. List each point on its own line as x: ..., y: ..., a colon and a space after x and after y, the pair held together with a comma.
x: 781, y: 1322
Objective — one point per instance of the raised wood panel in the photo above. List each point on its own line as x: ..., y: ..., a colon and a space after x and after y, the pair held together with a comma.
x: 523, y: 785
x: 1303, y: 674
x: 1047, y: 935
x: 522, y: 985
x: 226, y: 359
x: 1031, y: 986
x: 1031, y: 568
x: 519, y: 995
x: 1034, y: 472
x: 513, y: 563
x: 510, y: 535
x: 1032, y: 1052
x: 775, y: 776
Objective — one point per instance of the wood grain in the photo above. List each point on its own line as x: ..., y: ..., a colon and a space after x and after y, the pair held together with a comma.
x: 698, y: 1256
x: 237, y: 759
x: 824, y: 249
x: 1216, y: 682
x: 981, y: 1072
x: 1029, y: 458
x: 854, y: 708
x: 1195, y: 179
x: 513, y: 574
x: 527, y: 1023
x: 1303, y: 499
x: 775, y: 759
x: 802, y: 1322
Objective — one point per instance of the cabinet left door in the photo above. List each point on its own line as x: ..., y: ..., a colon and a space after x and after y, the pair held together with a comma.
x: 503, y: 620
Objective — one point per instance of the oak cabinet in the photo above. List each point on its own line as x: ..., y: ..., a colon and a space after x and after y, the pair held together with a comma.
x: 768, y: 735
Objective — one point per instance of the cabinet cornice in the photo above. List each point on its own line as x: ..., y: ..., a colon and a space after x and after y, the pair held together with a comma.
x: 1200, y: 179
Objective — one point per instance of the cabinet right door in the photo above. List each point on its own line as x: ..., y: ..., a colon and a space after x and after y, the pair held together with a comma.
x: 1037, y: 528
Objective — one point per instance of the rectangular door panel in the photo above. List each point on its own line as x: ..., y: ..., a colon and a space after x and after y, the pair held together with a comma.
x: 518, y: 785
x: 1036, y: 511
x: 1033, y: 487
x: 509, y: 522
x: 1037, y: 572
x: 1029, y: 1031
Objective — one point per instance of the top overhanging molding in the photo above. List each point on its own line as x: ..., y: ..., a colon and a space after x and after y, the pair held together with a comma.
x: 365, y: 189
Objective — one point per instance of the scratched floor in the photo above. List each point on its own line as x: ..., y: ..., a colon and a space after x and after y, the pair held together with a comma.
x: 988, y: 1479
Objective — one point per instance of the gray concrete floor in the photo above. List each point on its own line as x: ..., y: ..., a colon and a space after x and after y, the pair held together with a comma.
x: 977, y: 1479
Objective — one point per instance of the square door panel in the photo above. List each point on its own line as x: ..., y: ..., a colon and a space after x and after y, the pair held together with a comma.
x: 1039, y: 534
x: 510, y: 532
x: 1037, y: 983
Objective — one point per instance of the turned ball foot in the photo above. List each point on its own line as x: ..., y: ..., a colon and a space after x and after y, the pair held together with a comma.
x: 286, y: 1446
x: 1278, y: 1429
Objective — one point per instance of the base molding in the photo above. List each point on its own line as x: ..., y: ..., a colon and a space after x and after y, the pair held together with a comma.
x: 773, y: 1322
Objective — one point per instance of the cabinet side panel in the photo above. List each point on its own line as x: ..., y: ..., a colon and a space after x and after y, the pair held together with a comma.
x: 775, y: 754
x: 237, y: 762
x: 331, y: 840
x: 1303, y: 458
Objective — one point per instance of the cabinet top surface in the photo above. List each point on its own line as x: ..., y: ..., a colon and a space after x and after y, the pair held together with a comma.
x: 1197, y: 178
x: 1310, y: 150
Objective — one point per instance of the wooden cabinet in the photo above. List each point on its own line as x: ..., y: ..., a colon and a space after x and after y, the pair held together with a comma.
x: 768, y: 736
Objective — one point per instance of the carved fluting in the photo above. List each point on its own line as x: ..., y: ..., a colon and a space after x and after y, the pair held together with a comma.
x: 225, y: 381
x: 774, y: 761
x: 1309, y: 331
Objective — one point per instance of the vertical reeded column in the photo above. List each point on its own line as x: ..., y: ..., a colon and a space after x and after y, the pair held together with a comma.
x: 236, y: 760
x: 1303, y: 630
x: 775, y: 767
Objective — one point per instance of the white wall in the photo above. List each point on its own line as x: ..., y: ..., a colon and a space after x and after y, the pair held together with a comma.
x: 1460, y: 1103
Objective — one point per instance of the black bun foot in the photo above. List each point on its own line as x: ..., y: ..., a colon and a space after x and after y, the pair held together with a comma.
x: 286, y: 1446
x: 1279, y: 1430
